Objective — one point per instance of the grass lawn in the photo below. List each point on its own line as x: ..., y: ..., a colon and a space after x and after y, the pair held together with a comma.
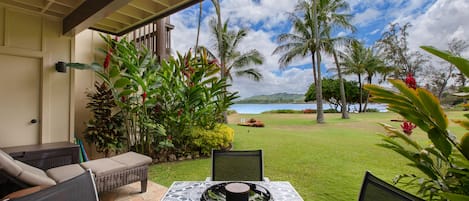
x: 322, y: 161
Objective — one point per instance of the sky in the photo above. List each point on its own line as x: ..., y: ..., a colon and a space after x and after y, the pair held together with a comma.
x: 434, y: 22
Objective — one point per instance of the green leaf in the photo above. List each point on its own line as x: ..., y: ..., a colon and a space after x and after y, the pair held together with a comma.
x: 79, y: 66
x: 438, y: 139
x: 394, y: 101
x: 432, y: 106
x: 126, y: 92
x: 410, y: 93
x: 455, y: 197
x: 121, y: 83
x: 461, y: 63
x: 96, y: 67
x: 376, y: 90
x: 462, y: 123
x: 114, y: 71
x: 401, y: 135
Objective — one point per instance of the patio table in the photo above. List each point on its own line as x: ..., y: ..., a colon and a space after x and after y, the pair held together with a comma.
x: 192, y: 190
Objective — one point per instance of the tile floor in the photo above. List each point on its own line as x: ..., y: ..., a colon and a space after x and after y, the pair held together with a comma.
x: 131, y: 192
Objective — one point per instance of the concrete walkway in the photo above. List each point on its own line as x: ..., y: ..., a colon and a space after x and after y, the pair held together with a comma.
x: 131, y: 192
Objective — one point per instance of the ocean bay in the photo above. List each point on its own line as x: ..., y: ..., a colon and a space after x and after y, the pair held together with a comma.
x: 259, y: 108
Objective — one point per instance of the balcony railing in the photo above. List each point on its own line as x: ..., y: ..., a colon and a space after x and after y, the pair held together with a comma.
x: 147, y: 36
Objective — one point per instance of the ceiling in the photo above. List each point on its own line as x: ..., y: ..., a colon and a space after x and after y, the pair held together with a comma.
x: 116, y: 17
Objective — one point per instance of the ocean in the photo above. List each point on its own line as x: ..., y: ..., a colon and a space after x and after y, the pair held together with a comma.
x: 259, y: 108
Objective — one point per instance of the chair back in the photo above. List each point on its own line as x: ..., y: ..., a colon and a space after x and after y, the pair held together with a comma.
x: 374, y: 189
x: 237, y: 165
x: 79, y: 188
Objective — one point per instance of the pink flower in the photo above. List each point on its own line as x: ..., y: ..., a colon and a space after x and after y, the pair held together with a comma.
x: 410, y: 81
x: 407, y: 127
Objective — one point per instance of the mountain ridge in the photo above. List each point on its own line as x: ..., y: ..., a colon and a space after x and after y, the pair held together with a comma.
x: 274, y: 98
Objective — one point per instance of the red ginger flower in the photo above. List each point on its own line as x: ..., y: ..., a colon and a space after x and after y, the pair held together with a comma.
x: 214, y: 61
x: 407, y: 127
x: 107, y: 60
x: 410, y: 81
x: 144, y: 96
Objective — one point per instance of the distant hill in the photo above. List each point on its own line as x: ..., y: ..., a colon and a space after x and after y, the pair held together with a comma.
x: 275, y: 98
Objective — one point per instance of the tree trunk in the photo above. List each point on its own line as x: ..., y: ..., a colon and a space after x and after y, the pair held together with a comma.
x: 198, y: 28
x: 367, y: 95
x: 313, y: 57
x: 343, y: 99
x: 319, y: 109
x: 221, y: 51
x: 361, y: 92
x: 319, y: 106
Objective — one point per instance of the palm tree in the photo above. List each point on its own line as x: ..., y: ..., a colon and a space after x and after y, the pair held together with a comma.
x: 230, y: 58
x: 199, y: 22
x: 358, y: 60
x: 302, y: 43
x: 331, y: 17
x: 235, y: 61
x: 321, y: 18
x: 216, y: 4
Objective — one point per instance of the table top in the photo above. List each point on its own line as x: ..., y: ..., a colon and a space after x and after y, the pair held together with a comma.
x: 192, y: 190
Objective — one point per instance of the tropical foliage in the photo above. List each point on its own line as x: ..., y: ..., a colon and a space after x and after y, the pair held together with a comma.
x: 333, y: 18
x: 190, y: 95
x: 394, y: 48
x: 236, y: 62
x: 359, y: 60
x: 220, y: 137
x: 444, y: 163
x: 303, y: 42
x: 159, y: 104
x: 331, y: 93
x: 313, y: 25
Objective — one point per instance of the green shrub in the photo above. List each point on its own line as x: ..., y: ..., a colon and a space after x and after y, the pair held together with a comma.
x: 372, y: 110
x: 230, y: 112
x: 220, y: 137
x: 331, y: 110
x: 283, y: 111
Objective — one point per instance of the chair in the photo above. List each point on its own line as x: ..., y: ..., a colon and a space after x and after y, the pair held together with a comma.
x: 374, y: 189
x: 79, y: 188
x: 237, y: 166
x: 110, y: 173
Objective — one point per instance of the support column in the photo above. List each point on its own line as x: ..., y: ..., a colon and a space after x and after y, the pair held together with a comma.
x: 161, y: 39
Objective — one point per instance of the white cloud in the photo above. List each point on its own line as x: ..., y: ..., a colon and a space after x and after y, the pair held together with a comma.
x: 247, y: 12
x: 433, y: 24
x: 374, y: 31
x: 445, y: 20
x: 366, y: 17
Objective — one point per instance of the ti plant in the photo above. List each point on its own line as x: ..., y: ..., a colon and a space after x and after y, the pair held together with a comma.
x: 105, y: 129
x: 445, y: 162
